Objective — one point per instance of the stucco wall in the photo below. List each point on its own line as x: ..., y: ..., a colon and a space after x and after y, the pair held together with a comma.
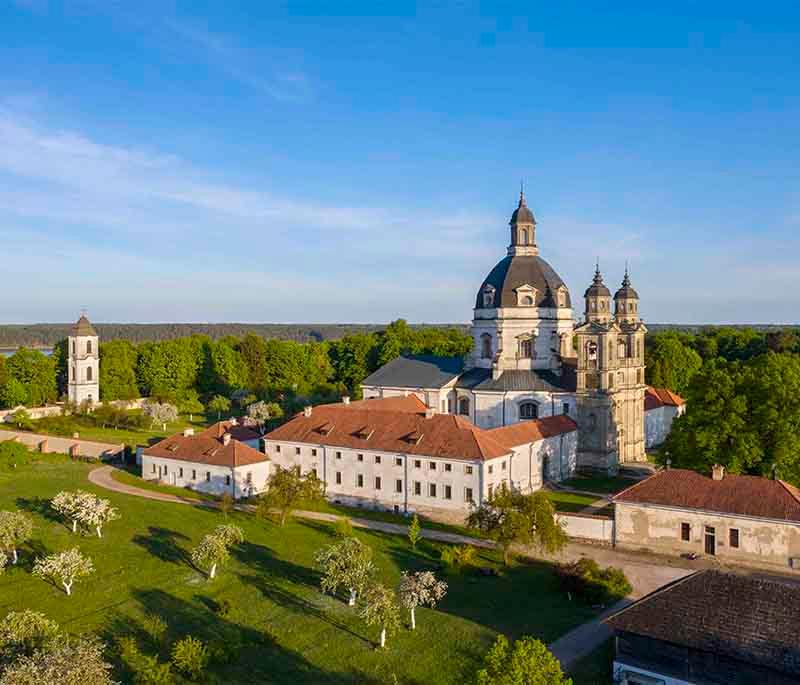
x: 658, y: 423
x: 71, y: 446
x: 207, y: 477
x: 762, y: 542
x: 588, y: 527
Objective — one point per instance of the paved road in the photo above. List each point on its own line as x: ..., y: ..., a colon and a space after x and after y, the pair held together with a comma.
x: 645, y: 572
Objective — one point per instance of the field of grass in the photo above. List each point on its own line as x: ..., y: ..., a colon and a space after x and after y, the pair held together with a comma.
x: 595, y: 668
x: 130, y: 476
x: 570, y: 502
x: 286, y: 629
x: 602, y: 485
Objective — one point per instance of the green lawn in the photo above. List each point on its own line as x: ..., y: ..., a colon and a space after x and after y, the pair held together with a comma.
x: 595, y: 669
x: 603, y: 485
x: 288, y: 630
x: 570, y: 502
x: 130, y: 476
x: 66, y: 426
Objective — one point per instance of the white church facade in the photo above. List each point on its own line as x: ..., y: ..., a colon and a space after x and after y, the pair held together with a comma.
x: 531, y: 360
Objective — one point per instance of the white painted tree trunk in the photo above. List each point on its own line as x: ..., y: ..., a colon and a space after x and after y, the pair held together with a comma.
x: 352, y: 601
x: 74, y: 525
x: 67, y: 587
x: 14, y: 556
x: 213, y: 572
x: 413, y: 618
x: 99, y: 532
x: 383, y: 637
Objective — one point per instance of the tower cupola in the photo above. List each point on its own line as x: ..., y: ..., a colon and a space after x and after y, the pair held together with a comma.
x: 598, y: 299
x: 523, y: 230
x: 626, y: 302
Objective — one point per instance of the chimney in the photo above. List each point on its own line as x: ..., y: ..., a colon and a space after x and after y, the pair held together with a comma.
x: 430, y: 412
x: 226, y: 439
x: 718, y: 472
x: 345, y: 400
x: 188, y: 432
x: 307, y: 411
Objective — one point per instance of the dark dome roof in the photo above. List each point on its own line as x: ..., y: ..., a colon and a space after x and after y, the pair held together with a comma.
x: 522, y: 214
x: 597, y: 288
x: 517, y: 270
x: 83, y: 327
x: 626, y: 292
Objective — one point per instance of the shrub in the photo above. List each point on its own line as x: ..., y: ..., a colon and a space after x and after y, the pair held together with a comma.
x: 343, y: 528
x: 456, y: 559
x: 13, y: 454
x: 190, y: 656
x: 156, y: 629
x: 586, y: 580
x: 222, y: 608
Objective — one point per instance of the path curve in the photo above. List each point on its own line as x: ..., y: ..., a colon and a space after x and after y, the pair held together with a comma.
x: 646, y: 573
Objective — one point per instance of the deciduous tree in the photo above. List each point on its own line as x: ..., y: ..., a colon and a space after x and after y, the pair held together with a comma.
x: 24, y: 632
x: 72, y: 662
x: 420, y: 589
x: 64, y: 568
x: 346, y: 564
x: 219, y: 404
x: 15, y: 529
x: 381, y: 609
x: 526, y: 662
x: 286, y: 489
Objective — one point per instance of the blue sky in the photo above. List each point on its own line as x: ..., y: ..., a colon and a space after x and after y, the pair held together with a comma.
x: 203, y: 161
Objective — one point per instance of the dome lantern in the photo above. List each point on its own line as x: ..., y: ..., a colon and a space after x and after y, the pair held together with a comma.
x: 523, y: 229
x: 598, y: 299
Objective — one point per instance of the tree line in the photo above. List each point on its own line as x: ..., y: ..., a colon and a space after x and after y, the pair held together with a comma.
x: 742, y: 388
x: 184, y: 370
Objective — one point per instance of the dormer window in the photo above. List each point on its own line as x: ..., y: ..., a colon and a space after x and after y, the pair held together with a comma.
x: 488, y: 296
x: 526, y: 296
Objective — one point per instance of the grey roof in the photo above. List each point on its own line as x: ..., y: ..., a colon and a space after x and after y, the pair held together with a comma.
x: 416, y: 371
x: 523, y: 380
x: 83, y: 327
x: 522, y: 214
x: 516, y: 270
x: 473, y: 377
x: 597, y: 288
x: 626, y: 292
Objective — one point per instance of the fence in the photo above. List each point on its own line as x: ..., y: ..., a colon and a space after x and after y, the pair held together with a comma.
x: 588, y: 527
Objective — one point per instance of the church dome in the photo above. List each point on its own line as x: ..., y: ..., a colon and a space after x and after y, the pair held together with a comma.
x: 516, y: 271
x: 597, y: 288
x: 626, y: 292
x: 522, y: 214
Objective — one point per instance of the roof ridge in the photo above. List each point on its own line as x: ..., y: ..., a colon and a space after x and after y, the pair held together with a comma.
x: 788, y: 487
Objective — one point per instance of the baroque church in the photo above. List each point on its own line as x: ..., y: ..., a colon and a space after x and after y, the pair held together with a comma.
x: 530, y: 360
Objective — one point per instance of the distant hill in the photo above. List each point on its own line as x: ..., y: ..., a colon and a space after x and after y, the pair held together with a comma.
x: 45, y: 335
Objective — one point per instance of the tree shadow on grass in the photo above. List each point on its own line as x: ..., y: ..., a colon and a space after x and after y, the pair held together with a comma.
x: 41, y: 506
x: 250, y: 655
x: 163, y: 544
x: 263, y: 560
x: 29, y: 553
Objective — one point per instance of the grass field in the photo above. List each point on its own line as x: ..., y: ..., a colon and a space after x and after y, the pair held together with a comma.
x: 602, y: 485
x: 286, y: 629
x: 570, y: 502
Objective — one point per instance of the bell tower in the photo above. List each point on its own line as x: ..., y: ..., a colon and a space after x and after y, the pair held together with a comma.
x: 83, y: 363
x: 523, y: 230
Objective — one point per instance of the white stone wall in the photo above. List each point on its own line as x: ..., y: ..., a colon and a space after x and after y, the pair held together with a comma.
x: 762, y: 542
x: 555, y: 455
x: 208, y: 478
x: 326, y: 461
x: 495, y: 409
x: 658, y: 423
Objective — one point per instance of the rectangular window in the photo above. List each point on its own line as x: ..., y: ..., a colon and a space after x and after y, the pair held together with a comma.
x: 448, y: 467
x: 165, y: 469
x: 431, y: 489
x: 313, y: 452
x: 377, y: 458
x: 227, y: 480
x: 249, y: 478
x: 361, y: 457
x: 398, y: 485
x: 503, y: 466
x: 733, y: 538
x: 444, y: 406
x: 491, y: 469
x: 398, y: 461
x: 417, y: 487
x: 338, y: 455
x: 338, y: 478
x: 468, y: 470
x: 448, y: 492
x: 565, y: 408
x: 432, y: 465
x: 297, y: 450
x: 277, y: 448
x: 180, y: 472
x: 377, y: 482
x: 468, y: 495
x: 194, y: 474
x: 208, y: 476
x: 360, y: 481
x: 417, y: 464
x: 314, y: 473
x: 686, y: 532
x: 154, y: 468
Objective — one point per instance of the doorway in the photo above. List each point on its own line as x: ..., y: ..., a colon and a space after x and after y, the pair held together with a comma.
x: 711, y: 540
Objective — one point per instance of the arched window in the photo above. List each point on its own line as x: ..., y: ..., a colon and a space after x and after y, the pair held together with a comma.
x: 526, y: 348
x: 463, y: 406
x: 527, y: 301
x: 593, y: 306
x: 486, y: 346
x: 88, y: 373
x: 611, y: 380
x: 523, y: 236
x: 622, y: 349
x: 591, y: 350
x: 620, y: 378
x: 528, y: 410
x: 602, y: 306
x: 638, y: 348
x: 88, y: 347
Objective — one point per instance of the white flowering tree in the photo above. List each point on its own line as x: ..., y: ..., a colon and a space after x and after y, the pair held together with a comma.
x: 210, y: 553
x: 15, y: 529
x: 23, y: 632
x: 64, y: 568
x: 261, y: 412
x: 381, y: 609
x: 347, y: 564
x: 160, y: 412
x: 70, y: 505
x: 420, y: 589
x: 229, y: 534
x: 71, y: 662
x: 96, y: 512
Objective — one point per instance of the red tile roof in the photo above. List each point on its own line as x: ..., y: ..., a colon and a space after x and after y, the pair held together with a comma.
x: 743, y: 495
x: 407, y: 403
x: 661, y: 397
x: 532, y: 431
x: 206, y: 449
x: 237, y: 429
